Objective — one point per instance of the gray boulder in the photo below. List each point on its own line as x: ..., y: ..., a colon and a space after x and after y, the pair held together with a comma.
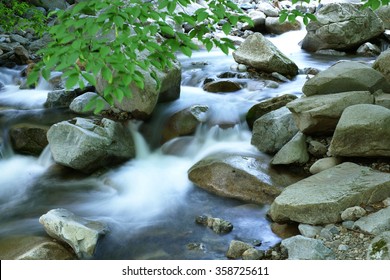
x: 384, y: 14
x: 363, y: 131
x: 353, y: 213
x: 321, y: 198
x: 346, y: 76
x: 273, y: 130
x: 60, y: 98
x: 237, y: 249
x: 379, y: 248
x: 247, y: 178
x: 295, y: 151
x: 50, y: 5
x: 78, y: 105
x: 304, y: 248
x: 85, y: 145
x: 382, y: 64
x: 28, y: 139
x: 81, y: 234
x: 274, y: 26
x: 375, y: 223
x: 341, y: 26
x: 142, y: 102
x: 258, y: 52
x: 185, y: 122
x: 320, y: 114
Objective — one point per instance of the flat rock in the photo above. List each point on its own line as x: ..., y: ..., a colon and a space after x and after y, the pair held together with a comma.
x: 247, y: 178
x: 321, y: 198
x: 346, y: 76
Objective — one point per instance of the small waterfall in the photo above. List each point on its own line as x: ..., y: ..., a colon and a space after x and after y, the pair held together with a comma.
x: 45, y: 159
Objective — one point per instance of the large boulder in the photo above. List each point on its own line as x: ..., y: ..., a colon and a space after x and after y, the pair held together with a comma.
x: 79, y: 233
x: 273, y: 130
x: 258, y: 52
x: 362, y: 135
x: 320, y: 114
x: 247, y: 178
x: 85, y: 145
x: 382, y: 64
x: 341, y: 26
x: 321, y: 198
x: 142, y: 102
x: 346, y: 76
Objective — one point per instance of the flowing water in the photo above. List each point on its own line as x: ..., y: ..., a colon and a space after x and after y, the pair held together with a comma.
x: 148, y: 203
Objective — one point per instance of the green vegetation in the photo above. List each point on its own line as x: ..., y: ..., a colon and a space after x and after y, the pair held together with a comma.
x: 16, y: 14
x: 105, y: 37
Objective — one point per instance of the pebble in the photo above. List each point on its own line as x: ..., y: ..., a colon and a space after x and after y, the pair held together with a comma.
x: 343, y: 247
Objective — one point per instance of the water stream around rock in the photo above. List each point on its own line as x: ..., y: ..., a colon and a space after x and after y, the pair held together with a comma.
x: 148, y: 203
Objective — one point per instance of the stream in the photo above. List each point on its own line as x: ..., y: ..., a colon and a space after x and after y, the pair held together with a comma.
x: 148, y: 203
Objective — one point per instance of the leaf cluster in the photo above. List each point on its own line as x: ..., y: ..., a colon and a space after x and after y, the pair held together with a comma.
x: 20, y: 15
x: 106, y: 38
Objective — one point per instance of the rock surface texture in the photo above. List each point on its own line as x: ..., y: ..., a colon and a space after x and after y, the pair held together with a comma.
x: 339, y: 27
x: 81, y: 234
x: 321, y: 198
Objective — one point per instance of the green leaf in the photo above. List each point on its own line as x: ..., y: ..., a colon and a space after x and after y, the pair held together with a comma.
x: 107, y: 74
x: 118, y: 20
x: 226, y: 27
x: 166, y: 29
x: 71, y: 81
x: 283, y: 16
x: 209, y: 45
x: 99, y: 106
x: 171, y: 6
x: 186, y: 51
x: 90, y: 78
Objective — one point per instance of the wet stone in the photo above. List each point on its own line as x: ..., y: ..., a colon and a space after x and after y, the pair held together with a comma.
x: 216, y: 224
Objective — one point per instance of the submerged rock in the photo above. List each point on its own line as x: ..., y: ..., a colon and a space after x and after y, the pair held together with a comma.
x: 218, y: 225
x: 81, y: 234
x: 321, y: 198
